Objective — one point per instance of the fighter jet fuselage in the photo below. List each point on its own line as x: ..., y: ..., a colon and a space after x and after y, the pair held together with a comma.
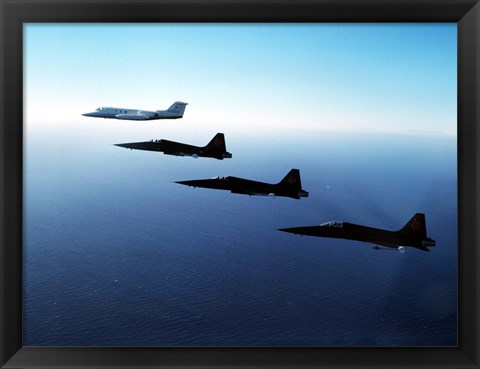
x: 289, y: 186
x: 214, y: 149
x: 173, y: 112
x: 412, y: 234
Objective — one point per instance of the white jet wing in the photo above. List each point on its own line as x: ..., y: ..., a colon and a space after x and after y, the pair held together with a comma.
x: 131, y: 116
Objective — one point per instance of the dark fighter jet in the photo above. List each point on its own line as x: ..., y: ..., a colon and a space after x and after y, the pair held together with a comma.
x: 215, y: 148
x: 413, y: 234
x: 290, y: 186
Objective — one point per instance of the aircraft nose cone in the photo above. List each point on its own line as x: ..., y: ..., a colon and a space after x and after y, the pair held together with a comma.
x: 288, y: 230
x: 122, y: 145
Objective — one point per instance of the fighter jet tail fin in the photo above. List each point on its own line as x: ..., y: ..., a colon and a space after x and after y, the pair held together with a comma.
x: 416, y: 227
x: 178, y: 107
x: 292, y: 179
x: 217, y: 143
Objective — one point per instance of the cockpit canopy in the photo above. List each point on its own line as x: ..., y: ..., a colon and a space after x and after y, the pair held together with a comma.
x: 100, y: 109
x: 333, y: 224
x: 221, y: 178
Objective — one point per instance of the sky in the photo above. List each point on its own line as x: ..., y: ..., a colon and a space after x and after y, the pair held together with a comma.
x: 377, y: 77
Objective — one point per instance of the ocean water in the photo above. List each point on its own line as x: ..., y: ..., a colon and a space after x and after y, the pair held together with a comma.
x: 116, y: 253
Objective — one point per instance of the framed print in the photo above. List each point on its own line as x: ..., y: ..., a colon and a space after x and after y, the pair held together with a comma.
x: 239, y: 184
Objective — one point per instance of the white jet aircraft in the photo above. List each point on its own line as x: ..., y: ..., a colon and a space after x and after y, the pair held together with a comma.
x: 174, y: 112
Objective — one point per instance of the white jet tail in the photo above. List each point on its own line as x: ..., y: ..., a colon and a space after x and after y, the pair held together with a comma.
x: 178, y: 107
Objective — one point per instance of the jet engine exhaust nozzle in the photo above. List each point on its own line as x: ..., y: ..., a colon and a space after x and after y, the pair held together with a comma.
x: 428, y: 243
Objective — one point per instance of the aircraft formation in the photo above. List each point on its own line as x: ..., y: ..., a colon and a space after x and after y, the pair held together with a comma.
x: 412, y: 234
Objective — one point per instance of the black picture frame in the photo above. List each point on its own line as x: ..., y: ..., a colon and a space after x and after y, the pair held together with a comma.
x: 466, y: 13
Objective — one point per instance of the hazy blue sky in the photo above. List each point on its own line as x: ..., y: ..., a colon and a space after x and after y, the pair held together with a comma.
x: 249, y: 76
